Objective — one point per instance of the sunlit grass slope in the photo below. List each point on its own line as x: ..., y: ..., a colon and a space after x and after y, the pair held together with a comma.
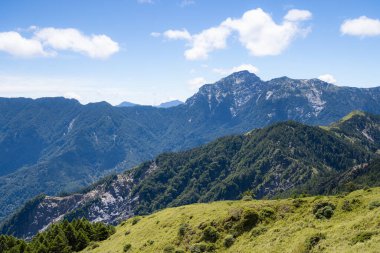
x: 286, y: 225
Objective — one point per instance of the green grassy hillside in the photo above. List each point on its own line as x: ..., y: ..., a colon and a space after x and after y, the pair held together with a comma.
x: 342, y: 223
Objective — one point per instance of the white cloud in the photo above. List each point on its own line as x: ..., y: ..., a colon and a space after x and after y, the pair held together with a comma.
x: 327, y: 78
x: 362, y: 27
x: 47, y: 41
x: 196, y: 83
x: 177, y: 34
x: 94, y: 46
x: 207, y: 41
x: 298, y: 15
x: 257, y: 32
x: 241, y: 67
x: 13, y: 43
x: 261, y: 35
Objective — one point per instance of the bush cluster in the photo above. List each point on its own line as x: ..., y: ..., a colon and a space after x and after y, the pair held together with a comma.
x: 228, y: 241
x: 127, y: 247
x: 210, y: 234
x: 314, y: 240
x: 323, y: 210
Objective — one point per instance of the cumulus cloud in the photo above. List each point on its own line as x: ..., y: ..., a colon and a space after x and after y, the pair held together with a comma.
x: 327, y: 78
x: 196, y: 83
x: 177, y: 34
x: 262, y: 36
x: 47, y: 41
x: 14, y: 44
x: 298, y: 15
x: 207, y: 41
x: 362, y: 27
x: 257, y: 31
x: 94, y: 46
x: 241, y: 67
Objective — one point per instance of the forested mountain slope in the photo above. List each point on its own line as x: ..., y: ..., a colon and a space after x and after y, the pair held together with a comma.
x: 277, y: 161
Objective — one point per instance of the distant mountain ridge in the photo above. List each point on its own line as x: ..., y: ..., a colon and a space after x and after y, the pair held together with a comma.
x: 167, y: 104
x: 170, y: 104
x: 53, y: 145
x: 127, y: 104
x: 280, y: 160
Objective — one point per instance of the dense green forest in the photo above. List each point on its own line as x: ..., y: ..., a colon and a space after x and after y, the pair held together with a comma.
x: 62, y: 237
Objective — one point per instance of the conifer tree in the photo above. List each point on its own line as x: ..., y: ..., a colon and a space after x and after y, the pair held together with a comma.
x: 82, y: 240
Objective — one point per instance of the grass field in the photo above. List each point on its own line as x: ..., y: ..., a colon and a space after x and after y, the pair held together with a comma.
x: 286, y: 225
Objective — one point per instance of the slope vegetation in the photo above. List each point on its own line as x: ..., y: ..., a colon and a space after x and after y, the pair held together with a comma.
x: 344, y: 223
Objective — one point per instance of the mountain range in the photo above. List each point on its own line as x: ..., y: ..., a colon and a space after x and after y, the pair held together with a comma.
x: 281, y: 160
x: 57, y: 145
x: 167, y: 104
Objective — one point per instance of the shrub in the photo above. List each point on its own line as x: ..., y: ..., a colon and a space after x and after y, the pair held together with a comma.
x: 169, y: 249
x: 198, y: 248
x: 127, y: 232
x: 135, y: 220
x: 228, y: 241
x: 374, y: 204
x: 267, y: 213
x: 250, y: 219
x: 362, y: 237
x: 346, y: 206
x: 127, y: 247
x: 355, y: 201
x: 298, y: 202
x: 247, y: 198
x: 314, y: 240
x: 210, y: 234
x: 182, y: 229
x: 323, y: 210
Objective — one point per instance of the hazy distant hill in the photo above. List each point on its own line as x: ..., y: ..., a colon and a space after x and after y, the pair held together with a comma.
x: 126, y: 104
x: 170, y: 104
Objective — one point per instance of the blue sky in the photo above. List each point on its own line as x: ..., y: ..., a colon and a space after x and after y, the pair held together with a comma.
x: 150, y: 51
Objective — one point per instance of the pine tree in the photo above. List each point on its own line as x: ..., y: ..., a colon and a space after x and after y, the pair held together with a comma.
x: 71, y: 235
x: 101, y: 232
x: 42, y: 249
x: 82, y: 240
x: 59, y: 245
